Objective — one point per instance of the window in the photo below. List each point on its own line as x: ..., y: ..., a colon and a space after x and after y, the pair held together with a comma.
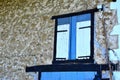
x: 63, y: 30
x: 83, y: 36
x: 74, y: 37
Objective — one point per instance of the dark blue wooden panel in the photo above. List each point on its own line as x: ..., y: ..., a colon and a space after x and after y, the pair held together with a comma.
x: 68, y: 75
x: 84, y: 17
x: 62, y: 21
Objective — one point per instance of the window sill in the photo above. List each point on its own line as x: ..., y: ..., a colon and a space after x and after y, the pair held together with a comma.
x: 77, y: 61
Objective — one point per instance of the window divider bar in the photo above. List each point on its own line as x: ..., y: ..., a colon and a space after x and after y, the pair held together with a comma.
x: 82, y: 56
x: 72, y: 42
x: 60, y: 59
x: 62, y: 31
x: 84, y: 27
x: 92, y: 35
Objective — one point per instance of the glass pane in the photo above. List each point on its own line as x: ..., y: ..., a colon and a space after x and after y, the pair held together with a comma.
x: 83, y: 24
x: 84, y: 17
x: 63, y: 41
x: 67, y: 75
x: 62, y: 21
x: 82, y: 41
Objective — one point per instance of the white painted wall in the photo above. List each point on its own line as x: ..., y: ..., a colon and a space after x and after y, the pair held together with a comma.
x: 116, y: 30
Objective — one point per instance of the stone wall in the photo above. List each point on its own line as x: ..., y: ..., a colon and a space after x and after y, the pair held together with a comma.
x: 104, y: 23
x: 27, y: 33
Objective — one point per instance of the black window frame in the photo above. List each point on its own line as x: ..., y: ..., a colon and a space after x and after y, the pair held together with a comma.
x: 86, y: 60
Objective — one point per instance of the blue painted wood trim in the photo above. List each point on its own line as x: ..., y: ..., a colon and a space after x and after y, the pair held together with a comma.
x: 72, y: 44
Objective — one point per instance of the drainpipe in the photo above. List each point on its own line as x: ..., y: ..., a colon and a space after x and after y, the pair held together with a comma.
x: 106, y: 43
x: 101, y: 8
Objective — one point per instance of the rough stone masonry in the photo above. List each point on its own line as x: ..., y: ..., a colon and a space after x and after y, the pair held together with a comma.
x: 27, y: 32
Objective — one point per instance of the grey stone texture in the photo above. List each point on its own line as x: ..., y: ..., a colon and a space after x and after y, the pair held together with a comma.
x: 27, y: 33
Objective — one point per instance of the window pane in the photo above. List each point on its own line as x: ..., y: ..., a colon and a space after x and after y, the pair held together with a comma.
x: 84, y: 17
x: 82, y: 41
x: 67, y: 75
x: 62, y: 21
x: 63, y: 41
x: 83, y: 24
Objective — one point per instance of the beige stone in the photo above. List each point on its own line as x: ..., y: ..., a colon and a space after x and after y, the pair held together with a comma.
x: 27, y: 33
